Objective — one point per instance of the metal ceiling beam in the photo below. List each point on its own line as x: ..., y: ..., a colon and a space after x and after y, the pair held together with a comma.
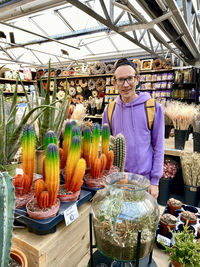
x: 157, y: 36
x: 183, y: 26
x: 37, y: 34
x: 170, y: 27
x: 99, y: 18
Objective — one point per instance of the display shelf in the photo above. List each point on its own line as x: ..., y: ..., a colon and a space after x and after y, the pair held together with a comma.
x: 65, y: 247
x: 171, y: 151
x: 7, y: 80
x: 47, y: 226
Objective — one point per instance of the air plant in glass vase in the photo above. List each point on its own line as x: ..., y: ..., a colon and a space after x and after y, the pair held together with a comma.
x: 182, y: 115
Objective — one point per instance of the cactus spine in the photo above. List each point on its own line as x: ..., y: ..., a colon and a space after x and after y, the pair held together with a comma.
x: 7, y: 207
x: 120, y: 152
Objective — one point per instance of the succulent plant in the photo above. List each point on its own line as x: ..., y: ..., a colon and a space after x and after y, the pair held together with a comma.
x: 87, y: 145
x: 52, y: 118
x: 7, y: 207
x: 11, y: 130
x: 120, y: 152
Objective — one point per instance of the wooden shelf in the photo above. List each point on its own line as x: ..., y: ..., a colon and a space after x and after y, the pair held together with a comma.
x: 6, y: 80
x: 171, y: 151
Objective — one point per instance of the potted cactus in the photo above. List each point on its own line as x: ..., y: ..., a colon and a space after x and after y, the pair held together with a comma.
x: 11, y: 129
x: 52, y: 118
x: 7, y: 202
x: 46, y: 204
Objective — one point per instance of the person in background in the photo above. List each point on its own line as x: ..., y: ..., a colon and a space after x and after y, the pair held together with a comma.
x: 144, y: 147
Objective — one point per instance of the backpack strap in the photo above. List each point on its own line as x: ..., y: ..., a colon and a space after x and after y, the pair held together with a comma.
x: 150, y: 111
x: 111, y: 107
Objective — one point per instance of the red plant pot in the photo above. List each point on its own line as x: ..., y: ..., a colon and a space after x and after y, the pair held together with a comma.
x: 67, y: 196
x: 22, y: 200
x: 35, y: 212
x: 165, y: 228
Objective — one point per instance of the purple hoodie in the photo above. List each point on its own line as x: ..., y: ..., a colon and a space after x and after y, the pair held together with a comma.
x: 130, y: 119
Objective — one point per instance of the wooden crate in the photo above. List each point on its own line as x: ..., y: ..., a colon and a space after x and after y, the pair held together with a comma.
x: 66, y: 247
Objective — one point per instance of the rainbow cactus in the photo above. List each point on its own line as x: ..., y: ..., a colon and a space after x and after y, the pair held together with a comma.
x: 87, y: 145
x: 105, y: 135
x: 66, y: 143
x: 75, y: 166
x: 24, y: 182
x: 46, y: 191
x: 50, y: 137
x: 95, y: 142
x: 120, y: 152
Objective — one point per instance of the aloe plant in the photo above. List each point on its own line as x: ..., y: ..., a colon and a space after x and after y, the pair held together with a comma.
x: 11, y: 130
x: 49, y: 120
x: 7, y: 207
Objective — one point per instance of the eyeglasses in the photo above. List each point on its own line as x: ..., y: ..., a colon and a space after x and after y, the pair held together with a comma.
x: 130, y: 80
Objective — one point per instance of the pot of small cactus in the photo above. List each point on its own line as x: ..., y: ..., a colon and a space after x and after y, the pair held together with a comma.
x: 46, y: 204
x: 101, y: 159
x: 7, y: 207
x: 23, y: 182
x: 74, y: 171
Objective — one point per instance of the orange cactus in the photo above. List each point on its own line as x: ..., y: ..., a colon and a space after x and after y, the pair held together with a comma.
x: 43, y: 200
x: 96, y: 168
x: 21, y: 183
x: 39, y: 187
x: 72, y: 160
x: 110, y: 158
x: 77, y: 179
x: 103, y: 160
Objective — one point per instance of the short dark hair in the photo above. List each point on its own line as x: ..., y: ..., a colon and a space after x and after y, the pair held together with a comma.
x: 125, y: 61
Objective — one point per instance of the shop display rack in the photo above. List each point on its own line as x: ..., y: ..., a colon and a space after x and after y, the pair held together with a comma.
x: 46, y: 226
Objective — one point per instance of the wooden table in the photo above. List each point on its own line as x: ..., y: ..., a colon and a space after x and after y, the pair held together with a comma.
x: 63, y: 248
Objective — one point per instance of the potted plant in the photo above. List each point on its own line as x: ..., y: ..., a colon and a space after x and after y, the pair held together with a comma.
x: 185, y: 252
x: 52, y: 118
x: 182, y: 115
x: 7, y: 207
x: 190, y: 163
x: 11, y: 128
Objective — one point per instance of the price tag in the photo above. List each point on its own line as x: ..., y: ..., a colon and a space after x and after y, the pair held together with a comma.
x: 71, y: 214
x: 164, y: 239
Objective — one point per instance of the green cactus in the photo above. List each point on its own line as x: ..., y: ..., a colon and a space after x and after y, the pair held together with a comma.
x: 112, y: 143
x: 120, y: 152
x: 7, y: 207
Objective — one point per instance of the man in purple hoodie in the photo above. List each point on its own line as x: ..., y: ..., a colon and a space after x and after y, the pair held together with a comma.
x: 144, y: 148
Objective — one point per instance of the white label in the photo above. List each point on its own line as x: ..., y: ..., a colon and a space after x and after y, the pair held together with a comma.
x: 71, y: 214
x: 164, y: 239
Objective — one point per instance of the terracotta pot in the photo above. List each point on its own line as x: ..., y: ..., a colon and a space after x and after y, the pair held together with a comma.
x: 173, y: 208
x: 41, y: 214
x: 165, y: 228
x: 69, y: 196
x: 176, y: 264
x: 19, y: 256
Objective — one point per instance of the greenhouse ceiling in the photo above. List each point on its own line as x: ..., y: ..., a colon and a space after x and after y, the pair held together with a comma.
x: 75, y: 32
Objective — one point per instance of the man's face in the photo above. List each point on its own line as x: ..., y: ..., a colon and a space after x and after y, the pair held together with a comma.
x: 125, y: 81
